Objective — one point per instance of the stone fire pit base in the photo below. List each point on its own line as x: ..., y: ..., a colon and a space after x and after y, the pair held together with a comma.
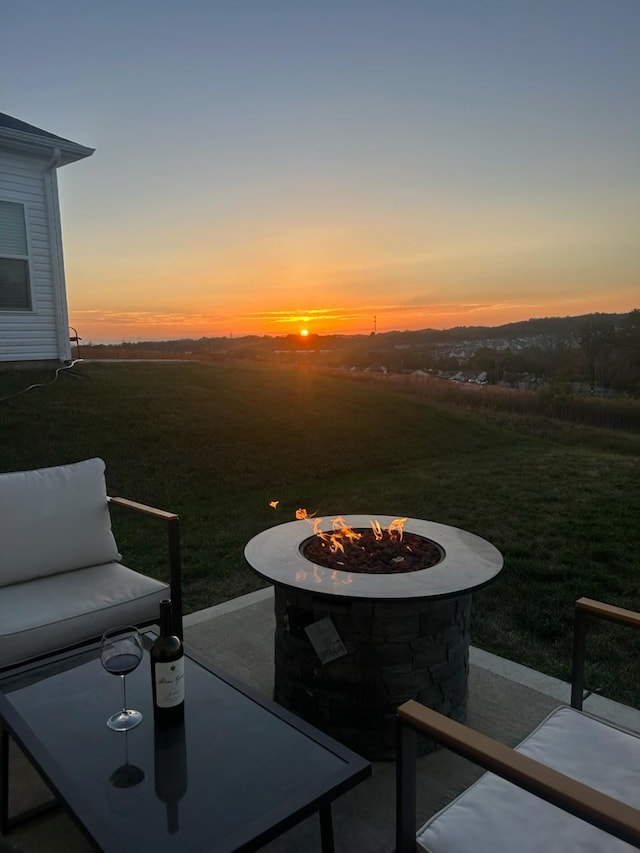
x: 396, y: 650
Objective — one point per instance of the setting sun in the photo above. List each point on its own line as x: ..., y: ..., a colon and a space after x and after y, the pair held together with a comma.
x: 304, y: 332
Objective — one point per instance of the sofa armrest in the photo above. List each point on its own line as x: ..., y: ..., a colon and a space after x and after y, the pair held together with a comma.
x: 588, y: 607
x: 161, y: 514
x: 173, y: 543
x: 598, y: 809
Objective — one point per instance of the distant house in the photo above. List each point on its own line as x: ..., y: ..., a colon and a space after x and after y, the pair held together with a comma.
x: 34, y: 323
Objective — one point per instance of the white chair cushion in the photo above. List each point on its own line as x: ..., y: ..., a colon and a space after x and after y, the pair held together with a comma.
x: 47, y: 614
x: 54, y: 520
x: 493, y: 815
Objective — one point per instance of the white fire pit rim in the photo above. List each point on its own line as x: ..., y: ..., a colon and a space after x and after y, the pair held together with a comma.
x: 469, y: 562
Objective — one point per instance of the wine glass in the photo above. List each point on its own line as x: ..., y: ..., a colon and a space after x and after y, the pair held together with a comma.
x: 120, y: 653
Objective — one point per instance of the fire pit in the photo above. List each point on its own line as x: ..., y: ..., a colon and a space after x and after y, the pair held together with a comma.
x: 353, y: 645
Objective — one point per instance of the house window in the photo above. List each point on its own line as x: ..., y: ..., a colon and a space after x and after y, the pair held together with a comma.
x: 15, y: 292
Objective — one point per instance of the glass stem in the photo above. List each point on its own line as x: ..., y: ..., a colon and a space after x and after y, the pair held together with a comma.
x: 124, y: 695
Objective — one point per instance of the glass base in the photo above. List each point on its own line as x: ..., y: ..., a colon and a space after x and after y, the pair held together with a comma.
x: 126, y: 776
x: 124, y: 720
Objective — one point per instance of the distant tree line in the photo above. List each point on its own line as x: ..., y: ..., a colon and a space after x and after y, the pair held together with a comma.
x: 602, y: 351
x: 612, y: 351
x: 597, y: 350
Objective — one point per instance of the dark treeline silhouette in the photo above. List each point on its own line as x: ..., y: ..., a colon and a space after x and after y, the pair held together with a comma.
x: 612, y: 351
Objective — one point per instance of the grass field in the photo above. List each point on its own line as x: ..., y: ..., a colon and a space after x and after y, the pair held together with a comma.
x: 217, y: 443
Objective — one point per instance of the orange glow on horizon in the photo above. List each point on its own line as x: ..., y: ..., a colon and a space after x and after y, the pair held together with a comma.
x: 106, y: 324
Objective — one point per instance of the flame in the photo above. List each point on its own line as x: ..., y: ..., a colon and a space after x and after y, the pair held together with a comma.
x: 335, y: 543
x: 396, y: 528
x: 273, y: 504
x: 315, y: 524
x: 341, y: 528
x: 344, y: 535
x: 303, y: 515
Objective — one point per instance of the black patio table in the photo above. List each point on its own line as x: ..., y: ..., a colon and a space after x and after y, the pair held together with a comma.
x: 238, y: 773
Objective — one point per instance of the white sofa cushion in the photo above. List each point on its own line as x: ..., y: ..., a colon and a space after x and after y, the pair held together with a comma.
x: 50, y: 613
x: 54, y: 520
x: 493, y: 815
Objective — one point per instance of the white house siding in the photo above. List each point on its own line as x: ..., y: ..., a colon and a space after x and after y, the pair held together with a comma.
x: 35, y: 335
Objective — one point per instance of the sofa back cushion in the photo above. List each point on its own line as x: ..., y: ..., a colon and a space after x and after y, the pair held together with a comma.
x: 54, y: 520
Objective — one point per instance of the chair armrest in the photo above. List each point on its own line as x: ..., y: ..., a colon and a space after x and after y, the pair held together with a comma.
x: 608, y: 612
x: 143, y: 508
x: 173, y: 543
x: 588, y: 607
x: 598, y: 809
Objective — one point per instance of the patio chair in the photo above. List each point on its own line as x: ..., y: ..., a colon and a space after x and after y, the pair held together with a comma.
x: 571, y: 785
x: 61, y: 579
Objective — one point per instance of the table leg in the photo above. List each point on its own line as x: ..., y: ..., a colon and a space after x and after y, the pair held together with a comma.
x: 326, y: 829
x: 406, y: 792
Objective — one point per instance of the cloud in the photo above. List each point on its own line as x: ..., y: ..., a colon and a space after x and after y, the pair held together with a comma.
x: 409, y: 313
x: 146, y: 318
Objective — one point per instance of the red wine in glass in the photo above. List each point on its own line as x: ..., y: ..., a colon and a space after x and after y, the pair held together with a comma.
x: 121, y: 664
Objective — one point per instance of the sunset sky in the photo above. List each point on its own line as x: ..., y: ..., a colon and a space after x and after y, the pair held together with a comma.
x: 264, y: 166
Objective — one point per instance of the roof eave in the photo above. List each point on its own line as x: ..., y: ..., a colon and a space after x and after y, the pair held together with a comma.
x: 43, y: 146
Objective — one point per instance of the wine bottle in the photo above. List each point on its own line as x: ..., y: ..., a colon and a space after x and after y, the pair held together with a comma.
x: 167, y: 671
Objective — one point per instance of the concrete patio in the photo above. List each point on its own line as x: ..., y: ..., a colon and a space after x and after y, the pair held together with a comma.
x: 506, y: 701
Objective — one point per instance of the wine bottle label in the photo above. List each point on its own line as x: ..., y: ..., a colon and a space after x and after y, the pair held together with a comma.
x: 169, y: 683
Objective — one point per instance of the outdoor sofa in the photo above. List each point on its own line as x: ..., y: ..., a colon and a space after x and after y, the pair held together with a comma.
x: 62, y: 581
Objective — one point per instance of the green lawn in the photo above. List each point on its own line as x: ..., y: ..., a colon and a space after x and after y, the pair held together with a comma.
x: 217, y: 443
